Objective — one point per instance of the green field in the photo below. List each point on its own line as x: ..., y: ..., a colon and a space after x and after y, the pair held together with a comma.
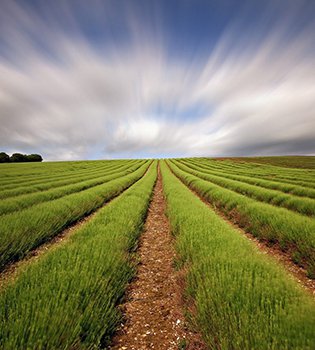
x: 304, y: 162
x: 68, y: 297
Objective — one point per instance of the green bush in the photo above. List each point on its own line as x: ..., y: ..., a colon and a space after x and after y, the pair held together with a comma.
x: 4, y: 158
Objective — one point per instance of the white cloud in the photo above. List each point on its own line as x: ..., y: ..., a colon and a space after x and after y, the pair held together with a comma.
x: 135, y: 99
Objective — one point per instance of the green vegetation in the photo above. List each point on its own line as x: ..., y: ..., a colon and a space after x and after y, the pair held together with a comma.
x: 18, y: 157
x: 54, y: 182
x: 4, y: 158
x: 302, y: 177
x: 306, y: 162
x: 26, y: 229
x: 304, y: 206
x: 17, y: 172
x: 283, y: 187
x: 67, y: 299
x: 295, y: 233
x: 24, y: 201
x: 50, y: 178
x: 243, y: 299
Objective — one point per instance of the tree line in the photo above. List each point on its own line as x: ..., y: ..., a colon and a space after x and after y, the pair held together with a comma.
x: 19, y: 158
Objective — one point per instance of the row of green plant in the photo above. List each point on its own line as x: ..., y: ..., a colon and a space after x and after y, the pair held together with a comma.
x: 305, y: 206
x: 273, y: 168
x: 53, y: 183
x: 263, y: 170
x: 242, y: 298
x: 294, y: 233
x: 19, y: 180
x: 283, y: 187
x: 268, y: 172
x: 25, y: 230
x: 51, y: 177
x: 67, y: 299
x: 306, y: 162
x: 25, y: 201
x: 9, y: 171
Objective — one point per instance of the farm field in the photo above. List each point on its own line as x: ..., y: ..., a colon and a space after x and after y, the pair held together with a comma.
x: 190, y: 253
x: 303, y: 162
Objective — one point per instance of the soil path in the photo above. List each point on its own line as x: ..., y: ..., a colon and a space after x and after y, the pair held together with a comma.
x: 298, y: 273
x: 153, y: 317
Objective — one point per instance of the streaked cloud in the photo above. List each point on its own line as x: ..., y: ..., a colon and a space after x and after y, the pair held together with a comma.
x: 69, y: 93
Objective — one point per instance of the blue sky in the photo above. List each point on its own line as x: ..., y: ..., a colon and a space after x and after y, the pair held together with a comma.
x: 136, y: 78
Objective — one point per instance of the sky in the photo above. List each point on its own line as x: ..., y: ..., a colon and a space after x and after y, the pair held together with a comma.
x: 104, y: 79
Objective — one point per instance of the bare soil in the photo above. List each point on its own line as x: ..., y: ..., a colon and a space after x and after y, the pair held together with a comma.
x: 153, y: 309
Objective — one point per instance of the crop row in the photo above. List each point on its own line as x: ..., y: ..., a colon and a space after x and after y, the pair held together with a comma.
x: 300, y: 205
x: 24, y: 170
x: 24, y: 201
x: 9, y: 170
x: 264, y: 168
x: 243, y: 299
x: 67, y: 299
x: 54, y: 183
x: 283, y: 187
x: 264, y: 171
x: 52, y: 177
x: 27, y: 229
x: 298, y: 177
x: 306, y: 162
x: 20, y: 173
x: 294, y: 233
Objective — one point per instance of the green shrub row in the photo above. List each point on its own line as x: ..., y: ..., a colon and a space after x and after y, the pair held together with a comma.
x: 24, y: 201
x: 274, y: 185
x: 67, y: 299
x: 305, y: 206
x: 25, y: 230
x: 299, y: 177
x: 294, y: 233
x: 54, y: 183
x: 26, y: 172
x: 52, y: 177
x: 243, y: 299
x: 9, y: 171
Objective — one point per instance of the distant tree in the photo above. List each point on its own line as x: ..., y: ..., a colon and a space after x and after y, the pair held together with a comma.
x: 4, y: 158
x: 18, y: 157
x: 34, y: 158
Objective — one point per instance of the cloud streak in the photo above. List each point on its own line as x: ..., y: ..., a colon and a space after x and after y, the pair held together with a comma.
x: 69, y: 94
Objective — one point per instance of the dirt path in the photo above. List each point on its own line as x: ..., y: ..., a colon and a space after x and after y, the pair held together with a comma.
x: 298, y: 273
x: 153, y: 317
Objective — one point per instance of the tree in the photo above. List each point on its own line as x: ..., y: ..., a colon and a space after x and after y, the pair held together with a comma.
x: 18, y: 157
x: 34, y: 158
x: 4, y: 158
